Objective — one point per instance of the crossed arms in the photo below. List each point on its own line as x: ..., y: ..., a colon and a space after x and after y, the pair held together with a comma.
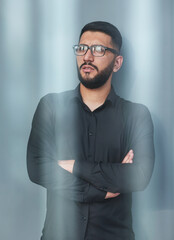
x: 88, y: 181
x: 69, y: 164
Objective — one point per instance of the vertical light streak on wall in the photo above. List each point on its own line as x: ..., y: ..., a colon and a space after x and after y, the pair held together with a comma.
x: 144, y: 33
x: 172, y: 88
x: 15, y: 40
x: 16, y: 78
x: 167, y: 114
x: 151, y: 32
x: 57, y: 36
x: 56, y: 40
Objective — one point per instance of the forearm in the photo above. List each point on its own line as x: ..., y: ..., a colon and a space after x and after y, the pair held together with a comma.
x: 68, y: 165
x: 118, y: 177
x: 115, y: 177
x: 46, y: 172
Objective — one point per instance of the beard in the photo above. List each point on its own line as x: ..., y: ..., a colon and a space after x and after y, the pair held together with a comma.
x: 99, y: 80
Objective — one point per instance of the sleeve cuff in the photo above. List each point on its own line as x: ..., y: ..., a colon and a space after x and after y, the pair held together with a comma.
x: 83, y: 169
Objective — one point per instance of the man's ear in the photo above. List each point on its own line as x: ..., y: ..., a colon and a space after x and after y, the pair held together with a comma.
x: 118, y: 63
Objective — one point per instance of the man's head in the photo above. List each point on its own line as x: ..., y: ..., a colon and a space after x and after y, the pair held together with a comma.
x: 98, y: 53
x: 106, y: 28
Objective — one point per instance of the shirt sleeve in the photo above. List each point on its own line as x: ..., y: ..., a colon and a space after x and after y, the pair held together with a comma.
x: 125, y: 178
x: 42, y: 162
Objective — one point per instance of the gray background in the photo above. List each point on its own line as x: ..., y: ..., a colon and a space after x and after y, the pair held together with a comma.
x: 36, y: 57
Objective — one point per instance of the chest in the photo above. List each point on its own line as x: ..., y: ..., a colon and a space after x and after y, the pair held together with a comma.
x: 93, y: 136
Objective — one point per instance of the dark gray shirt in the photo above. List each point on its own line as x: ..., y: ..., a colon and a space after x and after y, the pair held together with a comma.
x: 64, y: 128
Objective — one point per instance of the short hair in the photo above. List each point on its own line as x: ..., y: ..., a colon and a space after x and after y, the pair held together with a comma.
x: 105, y: 27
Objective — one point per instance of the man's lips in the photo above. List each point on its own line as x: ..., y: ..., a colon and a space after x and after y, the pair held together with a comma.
x: 87, y: 68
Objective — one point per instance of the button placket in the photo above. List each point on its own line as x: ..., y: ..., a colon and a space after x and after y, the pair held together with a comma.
x: 91, y: 136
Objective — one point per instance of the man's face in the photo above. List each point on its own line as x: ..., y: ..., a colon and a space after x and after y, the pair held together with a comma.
x: 94, y: 72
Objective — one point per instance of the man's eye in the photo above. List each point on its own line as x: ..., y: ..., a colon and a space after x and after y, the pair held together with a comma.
x: 82, y: 48
x: 98, y: 49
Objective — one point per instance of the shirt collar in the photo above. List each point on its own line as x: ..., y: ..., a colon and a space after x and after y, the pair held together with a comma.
x: 110, y: 98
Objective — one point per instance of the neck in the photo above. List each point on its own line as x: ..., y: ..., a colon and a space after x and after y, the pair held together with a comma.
x: 94, y: 98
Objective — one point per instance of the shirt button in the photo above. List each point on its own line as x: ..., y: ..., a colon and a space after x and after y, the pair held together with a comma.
x: 90, y: 134
x: 84, y: 218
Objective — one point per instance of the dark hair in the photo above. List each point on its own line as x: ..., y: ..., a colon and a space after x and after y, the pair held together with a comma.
x: 105, y: 27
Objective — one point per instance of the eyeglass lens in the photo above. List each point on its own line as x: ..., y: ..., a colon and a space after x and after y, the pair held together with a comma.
x: 96, y: 50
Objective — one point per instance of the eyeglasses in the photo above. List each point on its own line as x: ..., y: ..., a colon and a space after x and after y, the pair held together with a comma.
x: 96, y: 50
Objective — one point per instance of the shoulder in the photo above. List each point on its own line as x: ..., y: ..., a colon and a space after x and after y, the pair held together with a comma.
x: 57, y: 99
x: 133, y: 111
x: 136, y: 118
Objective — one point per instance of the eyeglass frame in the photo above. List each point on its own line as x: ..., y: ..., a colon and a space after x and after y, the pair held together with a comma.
x: 90, y: 47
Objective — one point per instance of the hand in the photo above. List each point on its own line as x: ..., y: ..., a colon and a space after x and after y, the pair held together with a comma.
x: 67, y: 165
x: 127, y: 159
x: 111, y: 195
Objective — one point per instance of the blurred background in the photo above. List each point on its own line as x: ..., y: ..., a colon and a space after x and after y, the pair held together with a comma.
x: 36, y: 57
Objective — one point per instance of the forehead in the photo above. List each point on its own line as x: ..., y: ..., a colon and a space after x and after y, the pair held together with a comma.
x: 91, y: 38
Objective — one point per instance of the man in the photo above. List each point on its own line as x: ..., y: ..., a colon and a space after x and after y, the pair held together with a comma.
x: 90, y: 148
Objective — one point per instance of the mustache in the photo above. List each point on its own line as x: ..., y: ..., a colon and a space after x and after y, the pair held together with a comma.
x: 89, y: 64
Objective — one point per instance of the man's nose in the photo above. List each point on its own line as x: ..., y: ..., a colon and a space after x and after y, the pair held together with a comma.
x: 88, y: 56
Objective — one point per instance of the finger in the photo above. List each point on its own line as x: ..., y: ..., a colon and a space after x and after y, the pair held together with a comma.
x: 129, y: 157
x: 117, y: 194
x: 130, y: 160
x: 125, y: 158
x: 111, y: 195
